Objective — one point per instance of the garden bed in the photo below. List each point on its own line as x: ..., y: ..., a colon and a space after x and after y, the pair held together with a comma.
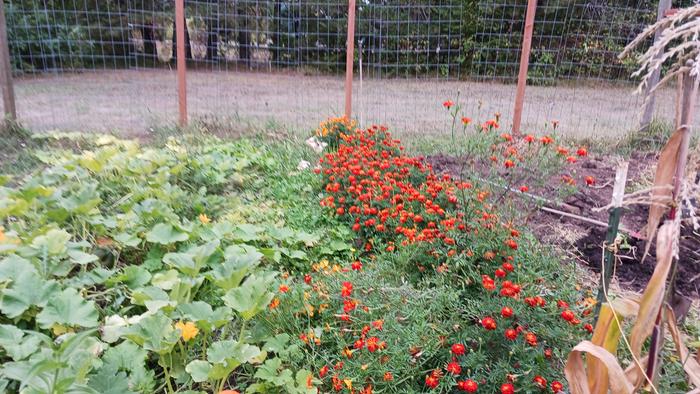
x: 585, y: 240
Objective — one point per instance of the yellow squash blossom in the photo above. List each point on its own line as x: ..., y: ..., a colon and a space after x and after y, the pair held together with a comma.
x: 187, y: 330
x: 204, y: 218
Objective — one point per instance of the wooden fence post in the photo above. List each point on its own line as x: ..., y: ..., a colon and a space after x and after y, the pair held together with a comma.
x: 524, y: 63
x: 349, y: 58
x: 649, y: 96
x: 8, y: 91
x: 181, y: 61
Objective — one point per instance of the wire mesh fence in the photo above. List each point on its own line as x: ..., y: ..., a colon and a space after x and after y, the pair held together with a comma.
x: 110, y: 64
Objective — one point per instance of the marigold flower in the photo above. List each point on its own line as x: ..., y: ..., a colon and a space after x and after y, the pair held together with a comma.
x: 590, y: 181
x: 346, y: 289
x: 507, y: 388
x: 453, y: 368
x: 388, y: 376
x: 468, y: 385
x: 488, y: 323
x: 588, y: 327
x: 540, y: 382
x: 466, y: 121
x: 524, y: 189
x: 448, y: 104
x: 274, y: 303
x: 509, y: 163
x: 323, y: 371
x: 431, y: 381
x: 458, y: 349
x: 283, y: 288
x: 506, y: 312
x: 511, y: 334
x: 557, y: 387
x: 548, y: 353
x: 568, y: 315
x: 188, y: 330
x: 531, y: 339
x: 582, y: 152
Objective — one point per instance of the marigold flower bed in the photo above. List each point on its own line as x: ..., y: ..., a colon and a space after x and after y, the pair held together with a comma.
x: 511, y: 341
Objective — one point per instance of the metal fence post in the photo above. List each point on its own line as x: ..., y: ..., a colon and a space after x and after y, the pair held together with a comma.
x: 524, y: 62
x: 349, y: 58
x: 181, y: 61
x: 649, y: 96
x: 8, y: 91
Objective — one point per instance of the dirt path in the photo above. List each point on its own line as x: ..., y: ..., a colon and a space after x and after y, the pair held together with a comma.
x: 132, y: 101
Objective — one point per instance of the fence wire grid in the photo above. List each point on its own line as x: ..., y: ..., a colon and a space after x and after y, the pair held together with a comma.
x: 109, y: 65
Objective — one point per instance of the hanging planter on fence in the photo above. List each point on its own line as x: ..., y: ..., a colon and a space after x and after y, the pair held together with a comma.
x: 137, y: 40
x: 228, y: 48
x: 197, y: 29
x: 163, y: 32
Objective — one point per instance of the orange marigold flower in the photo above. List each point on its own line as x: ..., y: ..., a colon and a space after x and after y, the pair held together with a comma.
x: 448, y: 104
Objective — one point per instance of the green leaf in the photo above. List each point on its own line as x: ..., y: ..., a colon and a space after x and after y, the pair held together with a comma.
x: 277, y: 343
x: 154, y: 333
x: 199, y: 370
x: 166, y: 280
x: 68, y: 308
x: 54, y: 242
x: 82, y: 258
x: 238, y: 262
x: 228, y: 355
x: 247, y: 232
x: 252, y: 297
x: 108, y: 381
x: 165, y: 234
x: 16, y: 344
x: 127, y: 239
x: 204, y: 316
x: 133, y: 276
x: 27, y: 290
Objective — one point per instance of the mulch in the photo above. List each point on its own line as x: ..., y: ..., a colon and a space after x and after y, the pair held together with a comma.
x: 584, y: 241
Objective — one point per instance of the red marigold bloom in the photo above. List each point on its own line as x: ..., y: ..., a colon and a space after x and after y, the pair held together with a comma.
x: 458, y: 349
x: 388, y: 376
x: 454, y: 368
x: 524, y: 189
x: 466, y: 121
x: 448, y: 104
x: 307, y: 279
x: 562, y: 304
x: 488, y: 323
x: 356, y: 265
x: 509, y: 163
x: 548, y: 353
x: 373, y: 344
x: 431, y: 381
x: 283, y: 288
x: 540, y: 382
x: 378, y: 324
x: 468, y: 385
x: 546, y: 140
x: 346, y: 289
x: 507, y: 388
x: 500, y: 273
x: 323, y: 371
x: 588, y: 327
x: 511, y: 334
x: 507, y: 266
x: 571, y: 159
x: 557, y: 387
x: 506, y: 312
x: 511, y: 243
x: 568, y: 315
x: 529, y: 138
x: 590, y: 181
x: 488, y: 282
x: 531, y: 339
x: 582, y: 151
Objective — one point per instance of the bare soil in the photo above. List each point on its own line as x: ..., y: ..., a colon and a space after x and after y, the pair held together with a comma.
x: 585, y: 241
x: 133, y: 102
